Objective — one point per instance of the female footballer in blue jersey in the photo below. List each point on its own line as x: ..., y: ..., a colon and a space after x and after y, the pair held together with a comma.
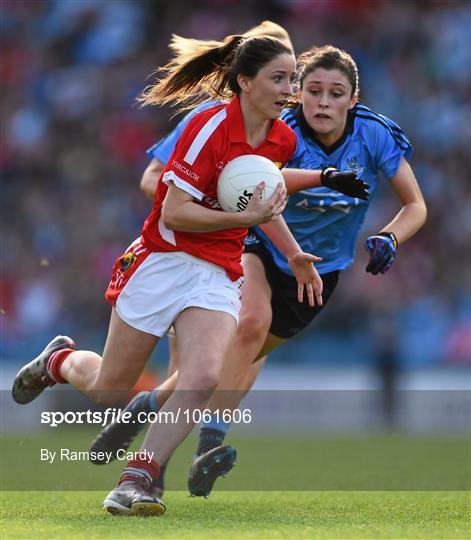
x: 333, y: 130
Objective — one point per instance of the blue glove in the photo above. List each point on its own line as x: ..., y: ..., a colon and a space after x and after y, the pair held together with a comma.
x: 382, y: 249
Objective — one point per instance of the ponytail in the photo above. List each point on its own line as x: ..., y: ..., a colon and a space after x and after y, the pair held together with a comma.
x: 193, y: 72
x: 184, y: 49
x: 201, y: 70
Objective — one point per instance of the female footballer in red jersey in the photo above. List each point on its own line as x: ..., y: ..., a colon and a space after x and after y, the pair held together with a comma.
x: 185, y: 268
x: 331, y: 126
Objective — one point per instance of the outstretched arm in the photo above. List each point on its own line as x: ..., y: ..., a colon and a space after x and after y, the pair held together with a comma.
x: 344, y: 182
x: 299, y: 179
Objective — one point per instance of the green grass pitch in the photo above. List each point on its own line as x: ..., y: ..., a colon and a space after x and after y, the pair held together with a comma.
x: 324, y: 487
x: 230, y: 515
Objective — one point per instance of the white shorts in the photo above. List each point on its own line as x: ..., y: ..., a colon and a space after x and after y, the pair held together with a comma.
x: 167, y: 283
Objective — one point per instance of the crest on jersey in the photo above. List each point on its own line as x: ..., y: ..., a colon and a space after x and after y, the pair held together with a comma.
x: 278, y: 164
x: 127, y: 260
x: 251, y: 239
x: 355, y: 166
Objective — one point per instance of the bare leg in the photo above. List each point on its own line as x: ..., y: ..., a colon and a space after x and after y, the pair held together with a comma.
x: 115, y: 435
x: 255, y: 320
x: 165, y: 389
x: 242, y: 366
x: 251, y: 341
x: 124, y: 357
x: 271, y: 343
x: 173, y: 358
x: 212, y: 459
x: 163, y: 392
x: 204, y: 338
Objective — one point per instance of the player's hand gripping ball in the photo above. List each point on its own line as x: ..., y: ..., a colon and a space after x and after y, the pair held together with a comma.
x: 240, y: 177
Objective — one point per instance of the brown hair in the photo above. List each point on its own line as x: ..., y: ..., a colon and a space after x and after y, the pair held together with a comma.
x: 270, y: 29
x: 185, y: 48
x: 211, y: 69
x: 327, y: 57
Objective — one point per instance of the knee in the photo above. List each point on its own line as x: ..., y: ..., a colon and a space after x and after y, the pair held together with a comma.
x: 204, y: 382
x: 254, y: 326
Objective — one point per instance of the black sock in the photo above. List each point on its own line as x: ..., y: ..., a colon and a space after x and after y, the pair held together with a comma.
x: 159, y: 483
x: 209, y: 439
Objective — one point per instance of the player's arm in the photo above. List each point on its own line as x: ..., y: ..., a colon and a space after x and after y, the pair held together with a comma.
x: 299, y: 179
x: 299, y: 261
x: 410, y: 218
x: 150, y: 177
x: 413, y: 213
x: 181, y: 213
x: 344, y: 182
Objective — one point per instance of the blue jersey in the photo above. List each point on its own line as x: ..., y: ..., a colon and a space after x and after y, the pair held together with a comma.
x: 325, y: 222
x: 162, y: 149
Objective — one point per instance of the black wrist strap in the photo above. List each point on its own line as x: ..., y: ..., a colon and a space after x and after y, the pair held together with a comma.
x: 390, y: 235
x: 326, y: 172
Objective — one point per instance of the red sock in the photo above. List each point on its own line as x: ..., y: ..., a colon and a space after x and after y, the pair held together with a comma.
x: 54, y: 364
x: 141, y: 468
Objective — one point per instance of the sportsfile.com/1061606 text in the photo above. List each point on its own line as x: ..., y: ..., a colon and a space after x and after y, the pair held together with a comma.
x: 193, y: 416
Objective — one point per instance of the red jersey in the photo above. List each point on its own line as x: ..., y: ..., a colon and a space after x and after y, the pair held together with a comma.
x: 210, y: 140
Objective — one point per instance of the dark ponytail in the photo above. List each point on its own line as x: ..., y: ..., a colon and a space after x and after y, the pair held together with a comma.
x: 207, y: 69
x: 212, y: 70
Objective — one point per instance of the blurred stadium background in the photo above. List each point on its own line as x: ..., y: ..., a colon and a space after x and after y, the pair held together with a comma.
x: 73, y: 150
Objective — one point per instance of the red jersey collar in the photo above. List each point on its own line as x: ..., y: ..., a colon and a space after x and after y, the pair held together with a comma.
x: 237, y: 128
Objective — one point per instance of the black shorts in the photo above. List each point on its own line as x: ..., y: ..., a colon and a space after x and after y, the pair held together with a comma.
x: 289, y: 316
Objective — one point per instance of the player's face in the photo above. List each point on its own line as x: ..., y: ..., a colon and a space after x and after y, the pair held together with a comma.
x: 268, y: 92
x: 326, y: 97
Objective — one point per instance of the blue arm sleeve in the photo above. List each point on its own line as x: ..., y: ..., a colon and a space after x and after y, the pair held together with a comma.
x: 391, y: 144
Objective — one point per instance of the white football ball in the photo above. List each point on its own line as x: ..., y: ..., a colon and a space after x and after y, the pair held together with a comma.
x: 240, y: 177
